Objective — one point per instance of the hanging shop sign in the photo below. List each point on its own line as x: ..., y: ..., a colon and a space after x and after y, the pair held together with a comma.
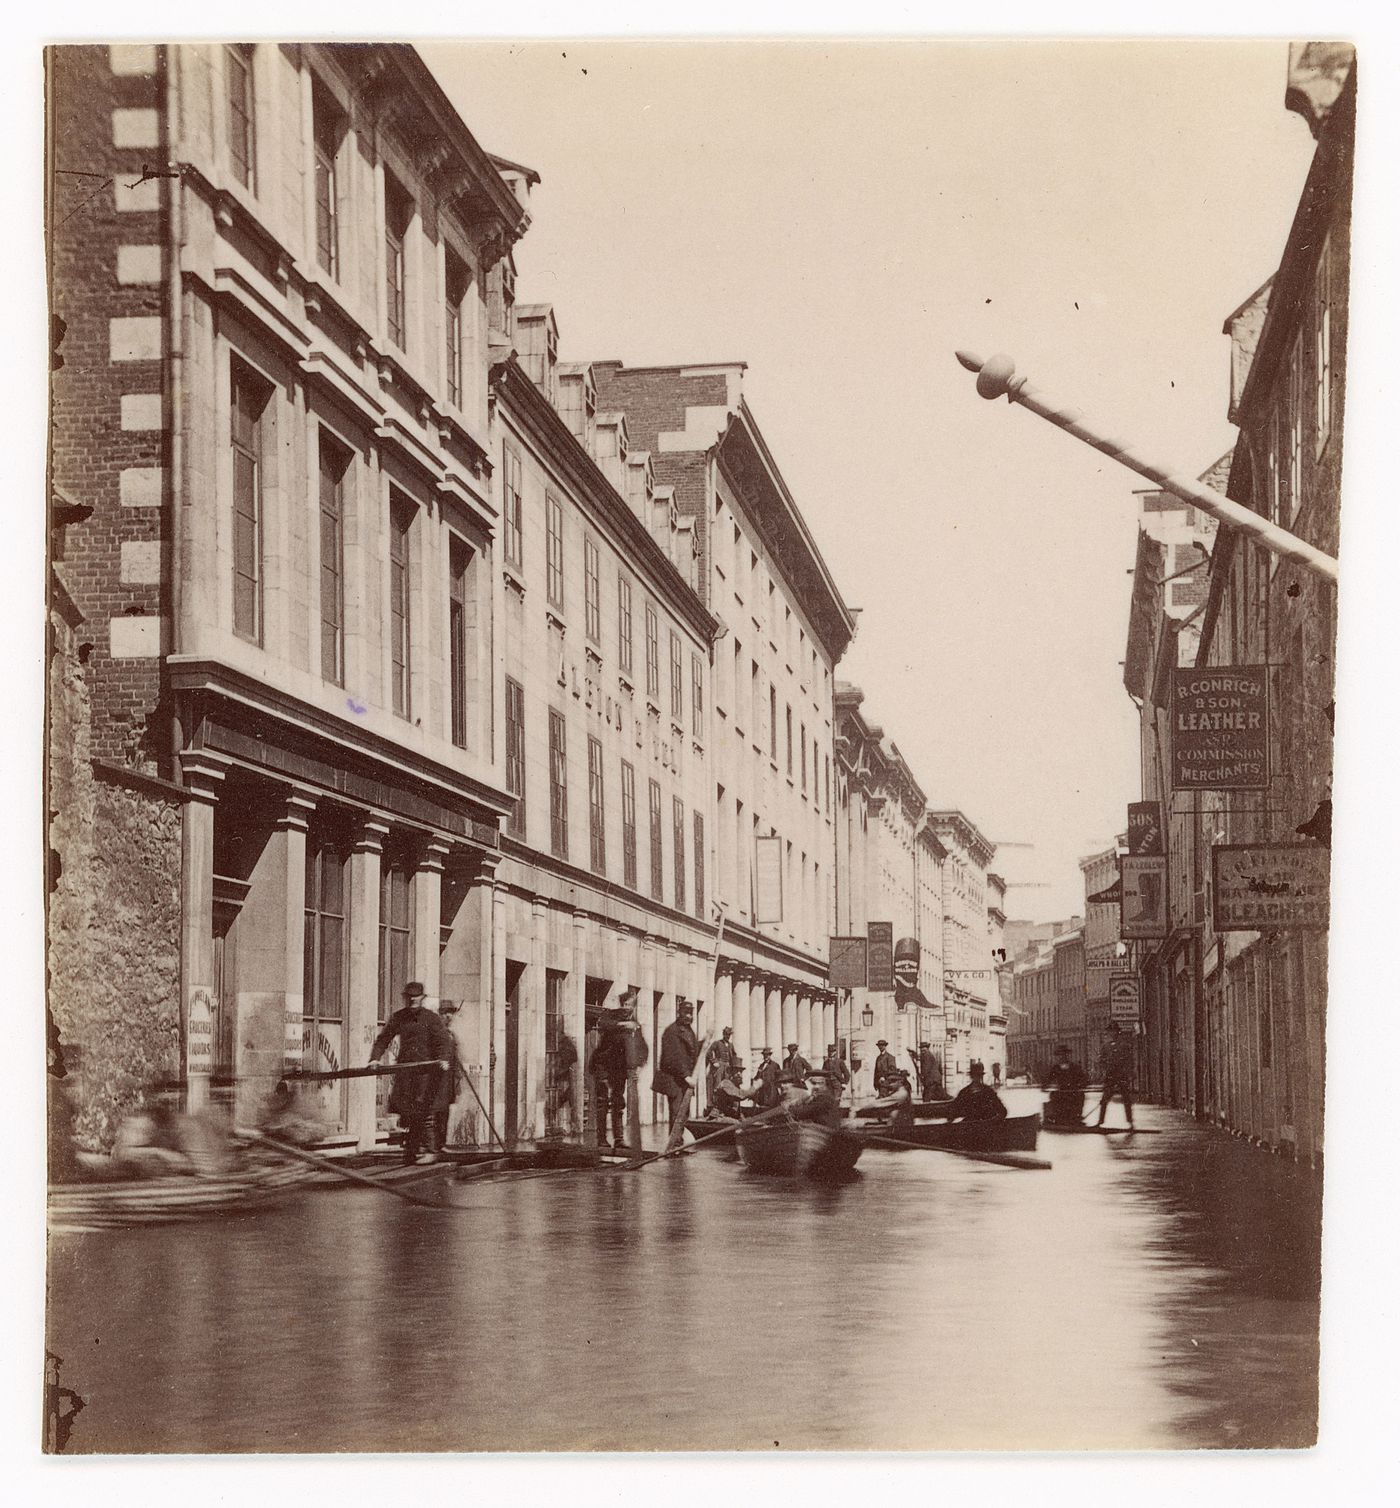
x: 1146, y: 838
x: 847, y: 967
x: 1220, y: 728
x: 879, y: 956
x: 768, y: 880
x: 1123, y: 999
x: 1143, y: 904
x: 1261, y: 887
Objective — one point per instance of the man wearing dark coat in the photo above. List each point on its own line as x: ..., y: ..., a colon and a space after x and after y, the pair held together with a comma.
x: 608, y: 1069
x: 1066, y: 1082
x: 930, y: 1079
x: 418, y: 1093
x: 1117, y: 1065
x: 976, y: 1101
x: 795, y: 1063
x: 837, y: 1074
x: 766, y: 1093
x: 885, y: 1066
x: 680, y: 1050
x: 722, y: 1066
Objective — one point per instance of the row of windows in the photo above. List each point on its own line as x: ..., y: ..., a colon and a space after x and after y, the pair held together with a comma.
x: 818, y: 760
x: 330, y: 188
x: 593, y: 601
x: 597, y: 809
x: 250, y: 396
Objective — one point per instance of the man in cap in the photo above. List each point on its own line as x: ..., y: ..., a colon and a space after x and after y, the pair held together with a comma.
x: 885, y: 1066
x: 418, y: 1093
x: 1066, y: 1082
x: 795, y: 1063
x: 765, y: 1092
x: 680, y: 1049
x: 976, y: 1101
x: 930, y: 1079
x: 837, y: 1074
x: 722, y: 1067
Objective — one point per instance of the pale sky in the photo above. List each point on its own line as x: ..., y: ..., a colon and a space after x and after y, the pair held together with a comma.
x: 842, y: 215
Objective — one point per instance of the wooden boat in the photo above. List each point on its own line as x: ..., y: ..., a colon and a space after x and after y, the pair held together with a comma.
x: 117, y: 1203
x: 797, y: 1149
x: 1016, y: 1133
x: 1063, y: 1129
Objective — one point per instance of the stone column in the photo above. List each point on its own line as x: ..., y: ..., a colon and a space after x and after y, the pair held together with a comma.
x: 788, y: 1018
x: 758, y: 1014
x: 577, y: 998
x: 739, y: 1016
x: 427, y: 916
x: 809, y: 1050
x: 204, y: 775
x: 536, y: 984
x: 363, y: 983
x: 495, y: 949
x: 723, y: 1016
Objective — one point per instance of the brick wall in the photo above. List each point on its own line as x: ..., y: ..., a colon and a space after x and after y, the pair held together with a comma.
x: 108, y: 438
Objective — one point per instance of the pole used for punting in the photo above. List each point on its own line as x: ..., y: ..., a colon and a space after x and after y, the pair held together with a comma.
x: 996, y: 378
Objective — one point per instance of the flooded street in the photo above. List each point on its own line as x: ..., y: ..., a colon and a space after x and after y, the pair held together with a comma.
x: 1159, y: 1291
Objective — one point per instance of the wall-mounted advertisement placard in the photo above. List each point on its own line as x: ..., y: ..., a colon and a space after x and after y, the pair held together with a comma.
x: 1123, y: 998
x: 879, y: 957
x: 1146, y: 837
x: 1261, y: 887
x: 1143, y: 912
x: 1220, y: 728
x: 847, y: 967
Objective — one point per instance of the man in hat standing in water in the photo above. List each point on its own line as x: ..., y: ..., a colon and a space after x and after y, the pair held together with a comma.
x: 418, y: 1093
x: 885, y: 1066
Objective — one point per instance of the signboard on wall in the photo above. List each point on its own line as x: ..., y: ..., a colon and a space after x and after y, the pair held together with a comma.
x: 199, y: 1031
x: 1123, y: 999
x: 1261, y: 887
x: 1220, y: 728
x: 1146, y: 838
x: 879, y: 956
x: 847, y: 968
x: 768, y: 880
x: 1143, y: 912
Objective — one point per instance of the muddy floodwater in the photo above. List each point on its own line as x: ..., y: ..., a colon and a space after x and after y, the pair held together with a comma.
x: 1159, y: 1291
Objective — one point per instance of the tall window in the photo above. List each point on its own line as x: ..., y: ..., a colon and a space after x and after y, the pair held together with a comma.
x: 327, y: 134
x: 697, y: 696
x: 738, y: 684
x: 678, y: 837
x: 324, y: 944
x: 677, y: 683
x: 515, y: 528
x: 624, y: 625
x: 248, y: 402
x: 773, y: 723
x: 597, y: 841
x: 401, y: 513
x: 459, y: 561
x: 554, y: 549
x: 395, y: 935
x: 755, y: 698
x: 1274, y: 450
x: 802, y: 740
x: 455, y: 291
x: 515, y: 755
x: 558, y: 788
x: 1322, y: 348
x: 629, y: 826
x: 653, y: 655
x: 789, y: 742
x: 592, y: 593
x: 238, y: 70
x: 335, y: 466
x: 398, y: 214
x: 826, y: 780
x: 700, y: 865
x: 654, y: 805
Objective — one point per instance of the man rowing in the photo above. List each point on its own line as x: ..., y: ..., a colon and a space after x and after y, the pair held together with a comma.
x: 1066, y: 1083
x: 976, y: 1100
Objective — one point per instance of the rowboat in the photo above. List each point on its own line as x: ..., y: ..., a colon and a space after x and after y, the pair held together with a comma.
x: 797, y: 1149
x: 117, y: 1203
x: 1016, y: 1133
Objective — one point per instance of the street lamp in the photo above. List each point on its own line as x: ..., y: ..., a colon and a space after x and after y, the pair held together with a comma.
x: 867, y: 1017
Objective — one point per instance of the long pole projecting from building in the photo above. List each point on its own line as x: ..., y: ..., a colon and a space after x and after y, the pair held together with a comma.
x: 997, y: 377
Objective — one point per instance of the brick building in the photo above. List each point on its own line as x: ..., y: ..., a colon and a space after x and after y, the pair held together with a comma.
x: 783, y: 628
x: 889, y: 868
x: 274, y: 399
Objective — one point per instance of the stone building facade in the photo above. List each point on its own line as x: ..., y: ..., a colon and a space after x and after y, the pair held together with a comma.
x: 1102, y: 956
x: 969, y: 980
x: 889, y: 866
x: 783, y: 627
x: 290, y: 561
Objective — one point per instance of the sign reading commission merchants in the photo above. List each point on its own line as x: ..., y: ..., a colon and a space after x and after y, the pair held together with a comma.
x: 1220, y: 728
x: 1259, y: 887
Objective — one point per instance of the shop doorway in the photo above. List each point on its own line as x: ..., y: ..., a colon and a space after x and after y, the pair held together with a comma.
x: 510, y: 1088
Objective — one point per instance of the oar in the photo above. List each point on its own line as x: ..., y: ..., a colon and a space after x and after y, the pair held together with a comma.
x: 329, y: 1165
x: 644, y: 1162
x: 319, y: 1076
x: 485, y: 1112
x: 1000, y: 1159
